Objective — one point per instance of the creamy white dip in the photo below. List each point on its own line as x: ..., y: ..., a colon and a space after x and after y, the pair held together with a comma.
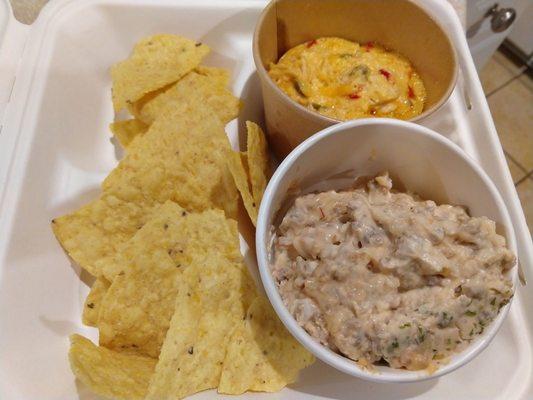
x: 380, y: 276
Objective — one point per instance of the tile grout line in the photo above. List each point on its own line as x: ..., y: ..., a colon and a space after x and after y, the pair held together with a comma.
x: 524, y: 178
x: 507, y: 154
x: 503, y: 85
x: 524, y: 169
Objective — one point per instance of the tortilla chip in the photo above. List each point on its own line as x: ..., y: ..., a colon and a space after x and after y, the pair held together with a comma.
x: 91, y: 235
x: 258, y: 161
x: 126, y: 131
x: 136, y: 107
x: 169, y: 225
x: 221, y: 75
x: 155, y: 62
x: 197, y: 89
x: 108, y: 373
x: 136, y: 311
x: 210, y: 301
x: 180, y: 158
x: 238, y: 170
x: 91, y: 308
x: 262, y: 354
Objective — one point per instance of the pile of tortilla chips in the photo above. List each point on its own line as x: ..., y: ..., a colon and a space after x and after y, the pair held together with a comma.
x: 176, y: 309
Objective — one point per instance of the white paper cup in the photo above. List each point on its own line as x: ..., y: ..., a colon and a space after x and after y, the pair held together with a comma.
x: 421, y: 161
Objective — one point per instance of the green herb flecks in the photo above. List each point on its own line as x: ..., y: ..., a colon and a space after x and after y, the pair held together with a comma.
x: 421, y: 334
x: 393, y: 346
x: 361, y: 70
x: 445, y: 319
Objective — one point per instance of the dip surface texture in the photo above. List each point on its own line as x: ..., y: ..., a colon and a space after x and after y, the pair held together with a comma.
x: 343, y: 80
x: 378, y: 276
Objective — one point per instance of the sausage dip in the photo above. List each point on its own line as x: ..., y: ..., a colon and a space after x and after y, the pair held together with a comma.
x: 385, y: 277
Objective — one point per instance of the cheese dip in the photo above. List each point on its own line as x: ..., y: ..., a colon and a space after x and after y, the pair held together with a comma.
x: 344, y: 80
x: 384, y: 277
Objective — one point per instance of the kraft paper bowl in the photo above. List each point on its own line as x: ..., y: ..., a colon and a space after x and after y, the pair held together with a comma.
x: 418, y: 160
x: 400, y: 25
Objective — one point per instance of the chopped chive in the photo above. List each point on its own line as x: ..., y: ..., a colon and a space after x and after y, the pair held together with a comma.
x: 394, y: 345
x: 421, y: 334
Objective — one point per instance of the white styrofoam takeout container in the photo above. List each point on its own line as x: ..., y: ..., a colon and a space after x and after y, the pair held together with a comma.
x: 55, y: 150
x: 420, y: 161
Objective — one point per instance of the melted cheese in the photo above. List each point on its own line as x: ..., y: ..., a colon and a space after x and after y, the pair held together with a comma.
x: 344, y: 80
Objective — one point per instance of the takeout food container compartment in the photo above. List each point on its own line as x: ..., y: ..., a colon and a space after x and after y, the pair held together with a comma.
x: 418, y: 160
x: 399, y: 25
x: 54, y: 152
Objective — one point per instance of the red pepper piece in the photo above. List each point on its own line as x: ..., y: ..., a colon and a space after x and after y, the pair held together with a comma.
x: 385, y: 73
x: 354, y: 96
x: 321, y: 213
x: 411, y: 93
x: 369, y: 46
x: 311, y: 43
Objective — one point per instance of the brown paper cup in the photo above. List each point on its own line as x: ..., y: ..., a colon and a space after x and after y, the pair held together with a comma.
x: 400, y: 25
